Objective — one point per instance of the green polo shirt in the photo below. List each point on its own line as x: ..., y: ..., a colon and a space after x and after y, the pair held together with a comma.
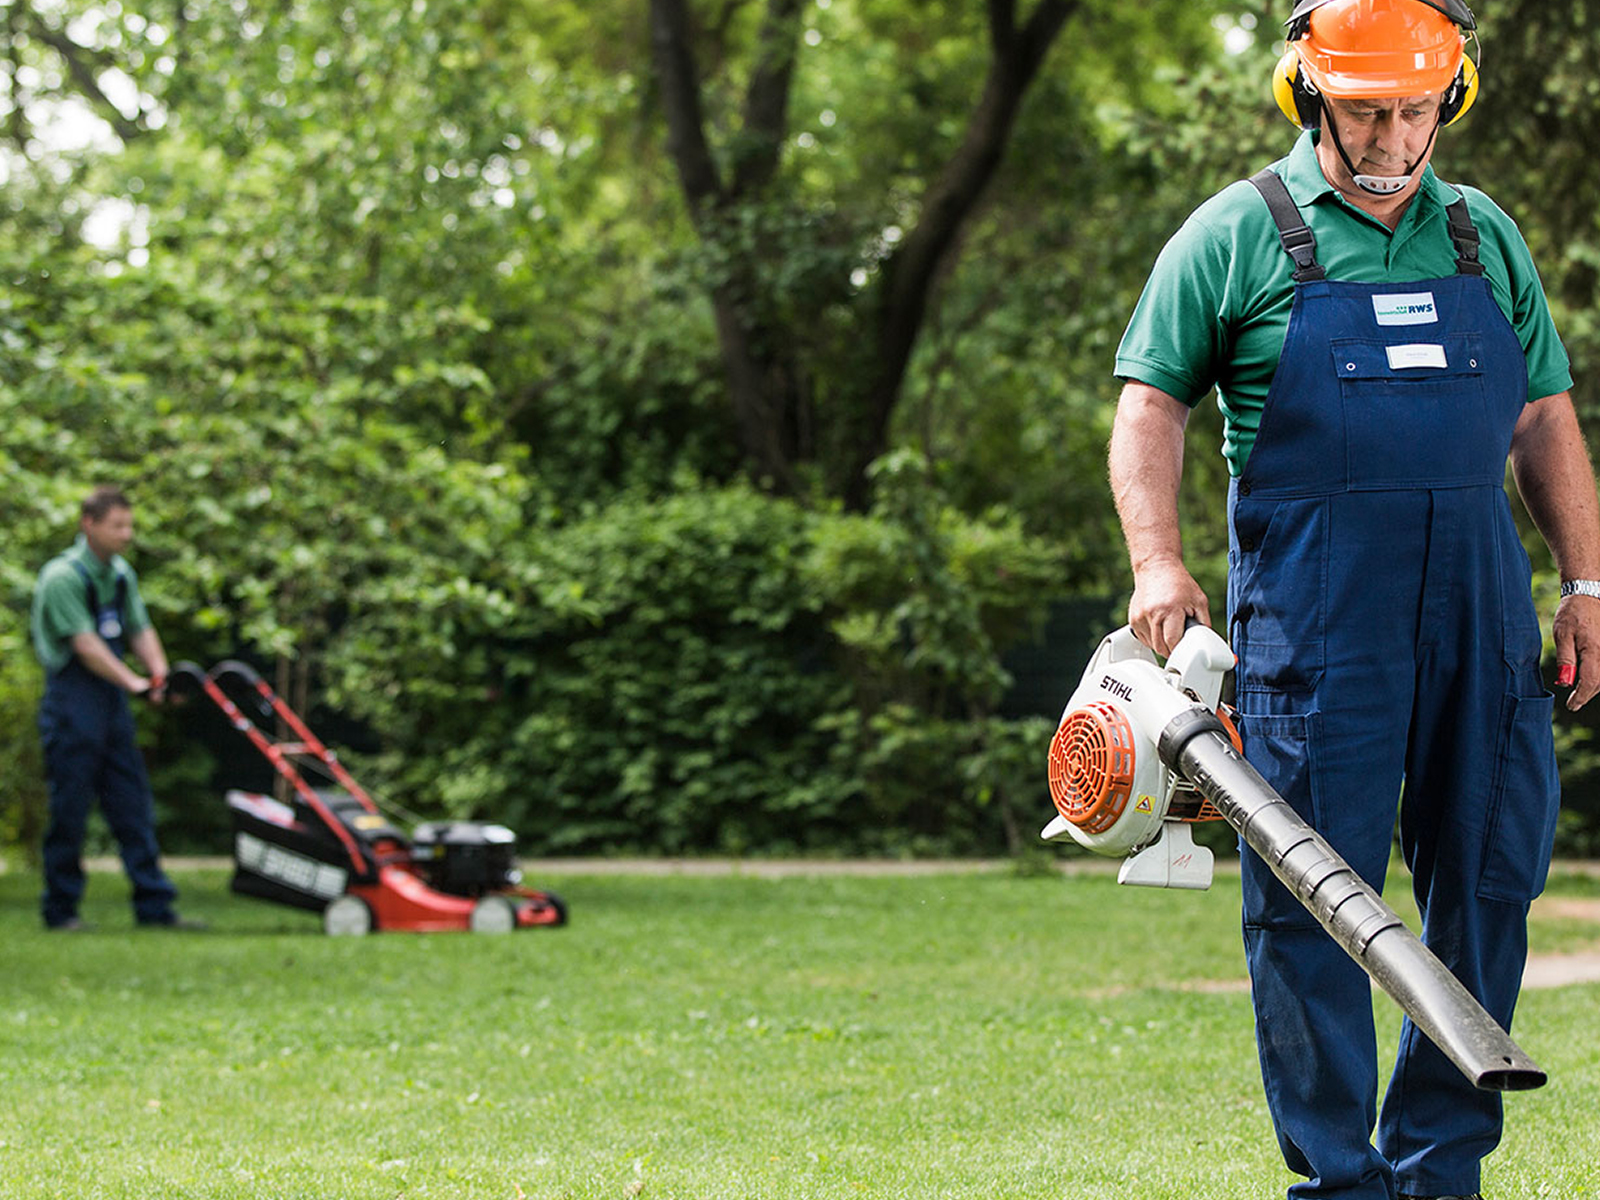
x: 61, y: 602
x: 1216, y: 307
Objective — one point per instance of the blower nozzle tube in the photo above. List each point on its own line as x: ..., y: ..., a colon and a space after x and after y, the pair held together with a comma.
x: 1195, y: 745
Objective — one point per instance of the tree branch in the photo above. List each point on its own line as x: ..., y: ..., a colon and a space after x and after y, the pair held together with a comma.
x: 82, y: 64
x: 716, y: 33
x: 671, y: 33
x: 760, y: 384
x: 1002, y: 25
x: 910, y: 272
x: 766, y: 110
x: 1039, y: 34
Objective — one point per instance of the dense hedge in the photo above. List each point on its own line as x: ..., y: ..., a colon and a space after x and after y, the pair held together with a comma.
x: 713, y: 670
x: 397, y: 325
x: 717, y: 671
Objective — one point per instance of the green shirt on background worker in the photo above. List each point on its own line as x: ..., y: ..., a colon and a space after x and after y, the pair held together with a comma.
x: 60, y: 608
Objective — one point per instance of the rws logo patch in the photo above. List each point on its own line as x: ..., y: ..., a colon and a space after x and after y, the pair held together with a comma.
x: 1405, y: 308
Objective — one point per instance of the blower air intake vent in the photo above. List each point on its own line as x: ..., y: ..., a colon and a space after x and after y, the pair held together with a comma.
x: 1091, y: 766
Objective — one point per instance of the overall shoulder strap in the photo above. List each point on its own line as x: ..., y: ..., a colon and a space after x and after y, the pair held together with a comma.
x: 92, y: 596
x: 1465, y: 236
x: 88, y: 590
x: 1298, y: 240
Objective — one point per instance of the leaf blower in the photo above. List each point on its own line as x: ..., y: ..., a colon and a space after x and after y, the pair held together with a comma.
x: 1144, y: 750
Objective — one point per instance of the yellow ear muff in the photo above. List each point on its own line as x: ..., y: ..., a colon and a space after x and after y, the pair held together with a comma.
x: 1283, y: 81
x: 1295, y: 94
x: 1467, y: 82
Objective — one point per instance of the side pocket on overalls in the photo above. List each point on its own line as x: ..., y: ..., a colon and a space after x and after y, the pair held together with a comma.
x: 1282, y: 747
x: 1520, y: 825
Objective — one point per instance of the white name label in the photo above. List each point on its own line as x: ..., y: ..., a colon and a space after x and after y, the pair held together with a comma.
x: 1405, y: 308
x: 1418, y: 354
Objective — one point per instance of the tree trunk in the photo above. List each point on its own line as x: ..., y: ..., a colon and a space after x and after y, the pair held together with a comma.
x: 765, y: 376
x: 912, y: 272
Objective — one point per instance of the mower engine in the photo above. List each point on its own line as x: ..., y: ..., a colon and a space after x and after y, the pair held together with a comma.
x: 466, y: 858
x: 1112, y: 792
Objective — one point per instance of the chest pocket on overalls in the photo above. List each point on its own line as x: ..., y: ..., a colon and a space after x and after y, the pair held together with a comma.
x: 1415, y: 412
x: 108, y: 622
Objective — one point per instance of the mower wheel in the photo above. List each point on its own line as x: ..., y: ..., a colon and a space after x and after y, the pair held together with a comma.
x: 493, y: 914
x: 347, y: 916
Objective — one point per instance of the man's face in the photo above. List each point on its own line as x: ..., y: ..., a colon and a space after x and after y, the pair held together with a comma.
x: 110, y: 534
x: 1385, y: 137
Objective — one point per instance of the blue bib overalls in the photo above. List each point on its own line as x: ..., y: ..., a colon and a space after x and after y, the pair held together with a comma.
x: 87, y: 731
x: 1379, y: 602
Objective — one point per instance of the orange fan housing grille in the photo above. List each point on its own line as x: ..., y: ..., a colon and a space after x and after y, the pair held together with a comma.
x: 1091, y: 766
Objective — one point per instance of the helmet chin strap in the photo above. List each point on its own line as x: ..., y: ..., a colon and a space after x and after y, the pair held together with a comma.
x: 1376, y: 185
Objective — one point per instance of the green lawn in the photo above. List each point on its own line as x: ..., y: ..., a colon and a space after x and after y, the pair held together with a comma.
x: 972, y: 1036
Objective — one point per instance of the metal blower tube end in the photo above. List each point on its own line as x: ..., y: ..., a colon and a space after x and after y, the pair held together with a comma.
x: 1443, y: 1009
x: 1512, y: 1079
x: 1196, y: 746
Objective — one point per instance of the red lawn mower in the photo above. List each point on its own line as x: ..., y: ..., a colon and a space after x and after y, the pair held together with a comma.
x: 332, y: 850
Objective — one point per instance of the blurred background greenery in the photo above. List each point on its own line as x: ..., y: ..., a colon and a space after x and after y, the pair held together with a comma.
x: 664, y: 426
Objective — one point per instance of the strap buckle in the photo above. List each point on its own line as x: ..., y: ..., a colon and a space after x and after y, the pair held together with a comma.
x: 1298, y: 241
x: 1465, y: 236
x: 1301, y: 245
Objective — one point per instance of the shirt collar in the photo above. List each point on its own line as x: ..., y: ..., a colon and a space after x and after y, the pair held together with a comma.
x: 1302, y: 175
x: 80, y: 551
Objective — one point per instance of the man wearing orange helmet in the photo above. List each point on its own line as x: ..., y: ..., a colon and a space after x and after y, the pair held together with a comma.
x: 1380, y: 346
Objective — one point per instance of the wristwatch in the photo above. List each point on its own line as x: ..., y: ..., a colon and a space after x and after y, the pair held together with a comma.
x: 1580, y: 587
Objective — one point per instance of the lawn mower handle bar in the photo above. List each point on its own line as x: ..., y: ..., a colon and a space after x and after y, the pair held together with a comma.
x: 233, y: 666
x: 1195, y: 745
x: 198, y: 674
x: 185, y: 670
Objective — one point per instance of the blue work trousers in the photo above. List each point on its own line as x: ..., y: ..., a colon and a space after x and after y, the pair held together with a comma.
x: 1388, y: 651
x: 90, y: 755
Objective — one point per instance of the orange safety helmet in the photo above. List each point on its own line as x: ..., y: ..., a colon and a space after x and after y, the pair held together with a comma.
x: 1376, y: 48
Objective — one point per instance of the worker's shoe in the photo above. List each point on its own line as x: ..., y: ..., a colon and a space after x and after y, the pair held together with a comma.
x: 70, y: 925
x: 174, y: 921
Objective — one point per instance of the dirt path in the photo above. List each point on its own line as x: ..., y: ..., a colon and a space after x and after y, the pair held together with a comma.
x: 1543, y: 970
x: 1559, y: 970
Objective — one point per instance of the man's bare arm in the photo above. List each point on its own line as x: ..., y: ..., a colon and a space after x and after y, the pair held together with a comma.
x: 95, y: 655
x: 147, y: 648
x: 1146, y: 467
x: 1551, y: 467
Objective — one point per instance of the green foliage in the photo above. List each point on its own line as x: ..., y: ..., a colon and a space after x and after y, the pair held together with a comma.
x: 636, y: 679
x: 407, y: 395
x: 393, y: 320
x: 702, y: 672
x: 22, y: 816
